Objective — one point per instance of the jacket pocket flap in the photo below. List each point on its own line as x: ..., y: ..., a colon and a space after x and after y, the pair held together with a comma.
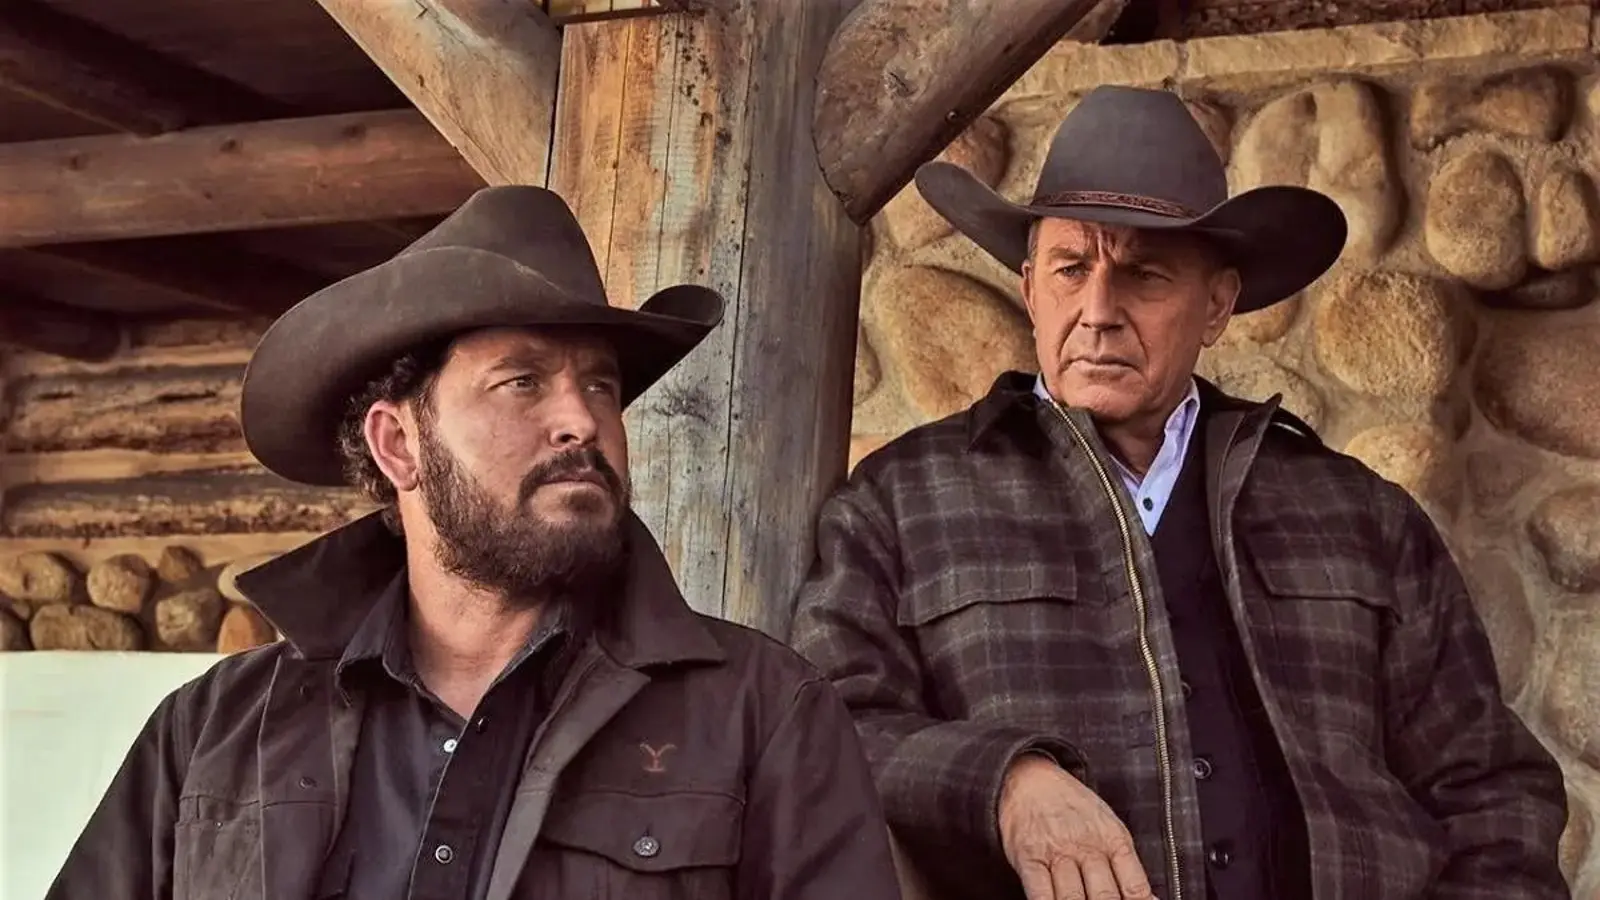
x: 1330, y: 578
x: 958, y: 587
x: 655, y: 833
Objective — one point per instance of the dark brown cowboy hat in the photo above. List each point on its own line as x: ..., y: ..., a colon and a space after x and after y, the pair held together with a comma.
x: 509, y: 256
x: 1135, y: 157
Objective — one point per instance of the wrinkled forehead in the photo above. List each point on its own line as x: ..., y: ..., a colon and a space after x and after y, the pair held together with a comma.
x: 544, y: 347
x: 1092, y: 240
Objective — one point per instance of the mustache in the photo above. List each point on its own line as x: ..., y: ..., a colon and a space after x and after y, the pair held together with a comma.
x: 569, y: 465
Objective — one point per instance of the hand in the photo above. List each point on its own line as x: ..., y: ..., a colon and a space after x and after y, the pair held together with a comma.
x: 1064, y: 842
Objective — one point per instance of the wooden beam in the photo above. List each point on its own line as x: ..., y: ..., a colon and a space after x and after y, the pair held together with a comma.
x: 105, y: 78
x: 222, y: 278
x: 902, y: 78
x: 684, y: 144
x: 482, y: 71
x: 341, y: 168
x: 58, y: 330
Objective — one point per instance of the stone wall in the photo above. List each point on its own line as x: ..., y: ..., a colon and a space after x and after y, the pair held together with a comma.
x: 129, y: 500
x: 1454, y: 349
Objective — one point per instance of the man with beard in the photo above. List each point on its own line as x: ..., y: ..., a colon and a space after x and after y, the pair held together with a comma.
x: 490, y: 688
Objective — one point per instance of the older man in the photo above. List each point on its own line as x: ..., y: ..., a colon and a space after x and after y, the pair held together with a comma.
x: 1111, y: 632
x: 492, y: 688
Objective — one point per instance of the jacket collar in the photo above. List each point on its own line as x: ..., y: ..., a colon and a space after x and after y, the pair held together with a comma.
x: 1012, y: 392
x: 318, y: 595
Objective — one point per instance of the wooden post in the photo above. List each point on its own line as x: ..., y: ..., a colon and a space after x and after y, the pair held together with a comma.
x: 684, y: 143
x: 903, y: 77
x: 482, y: 71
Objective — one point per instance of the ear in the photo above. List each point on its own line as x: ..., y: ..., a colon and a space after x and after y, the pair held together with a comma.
x: 391, y: 431
x: 1027, y: 289
x: 1225, y: 287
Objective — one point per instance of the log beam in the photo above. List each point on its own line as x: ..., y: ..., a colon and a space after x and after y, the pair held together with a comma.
x: 105, y: 78
x: 343, y: 168
x: 58, y: 330
x: 221, y: 278
x: 902, y: 78
x: 684, y: 144
x: 482, y: 71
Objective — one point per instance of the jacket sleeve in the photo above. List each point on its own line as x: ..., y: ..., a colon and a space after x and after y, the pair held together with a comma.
x: 813, y: 826
x: 939, y: 778
x: 125, y: 851
x: 1460, y: 750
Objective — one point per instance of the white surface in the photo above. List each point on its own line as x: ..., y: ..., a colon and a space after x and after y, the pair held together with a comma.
x: 66, y: 721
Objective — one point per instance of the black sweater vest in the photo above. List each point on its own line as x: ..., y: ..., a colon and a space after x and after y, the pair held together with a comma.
x: 1250, y: 816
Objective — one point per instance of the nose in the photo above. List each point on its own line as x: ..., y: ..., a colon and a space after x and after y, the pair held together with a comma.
x: 1100, y: 309
x: 572, y: 423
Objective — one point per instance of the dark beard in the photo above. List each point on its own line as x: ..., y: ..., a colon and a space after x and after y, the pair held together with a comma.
x: 514, y: 552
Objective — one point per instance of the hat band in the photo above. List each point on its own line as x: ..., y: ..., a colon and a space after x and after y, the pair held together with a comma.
x: 1110, y: 198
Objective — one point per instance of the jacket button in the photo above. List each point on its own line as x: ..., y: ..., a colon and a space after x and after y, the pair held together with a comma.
x: 308, y: 783
x: 1202, y: 768
x: 443, y: 854
x: 647, y: 846
x: 1219, y: 855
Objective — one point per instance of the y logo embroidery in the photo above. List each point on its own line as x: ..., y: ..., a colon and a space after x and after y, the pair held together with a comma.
x: 654, y: 764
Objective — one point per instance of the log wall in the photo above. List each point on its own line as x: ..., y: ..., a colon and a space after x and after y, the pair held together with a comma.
x: 128, y: 492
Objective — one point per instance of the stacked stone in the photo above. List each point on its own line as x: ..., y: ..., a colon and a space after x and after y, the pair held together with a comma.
x: 124, y: 602
x: 1453, y: 349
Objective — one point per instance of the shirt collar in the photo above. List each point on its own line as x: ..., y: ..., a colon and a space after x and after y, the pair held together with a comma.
x: 1180, y: 423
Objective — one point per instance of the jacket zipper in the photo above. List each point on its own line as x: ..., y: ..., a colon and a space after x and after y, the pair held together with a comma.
x: 1163, y: 753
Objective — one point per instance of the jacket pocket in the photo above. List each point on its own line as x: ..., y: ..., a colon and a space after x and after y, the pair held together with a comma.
x: 998, y: 582
x: 671, y: 846
x: 216, y: 847
x: 1329, y: 619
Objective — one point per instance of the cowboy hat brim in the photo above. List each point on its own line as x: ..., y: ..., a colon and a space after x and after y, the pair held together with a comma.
x: 323, y: 351
x: 1281, y: 238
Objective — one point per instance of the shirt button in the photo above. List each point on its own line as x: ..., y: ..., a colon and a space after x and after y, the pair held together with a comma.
x: 1219, y: 856
x: 647, y: 846
x: 443, y: 854
x: 450, y: 745
x: 1202, y: 768
x: 1149, y: 505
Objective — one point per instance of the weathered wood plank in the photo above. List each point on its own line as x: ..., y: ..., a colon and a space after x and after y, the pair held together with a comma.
x: 902, y: 78
x: 588, y: 126
x: 63, y: 331
x: 108, y: 464
x: 105, y: 78
x: 177, y: 503
x: 340, y: 168
x: 222, y: 279
x: 715, y: 181
x: 482, y: 71
x: 169, y: 410
x: 152, y: 344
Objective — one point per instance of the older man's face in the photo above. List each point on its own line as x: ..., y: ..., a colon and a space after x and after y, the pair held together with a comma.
x: 1120, y: 316
x: 524, y: 460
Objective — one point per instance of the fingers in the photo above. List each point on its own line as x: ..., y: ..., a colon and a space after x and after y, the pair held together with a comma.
x: 1098, y: 882
x: 1130, y: 875
x: 1036, y: 884
x: 1068, y: 879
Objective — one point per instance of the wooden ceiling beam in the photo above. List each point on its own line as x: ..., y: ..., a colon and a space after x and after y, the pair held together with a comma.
x: 482, y: 71
x: 105, y: 78
x: 195, y: 271
x: 342, y: 168
x: 902, y: 78
x: 58, y: 330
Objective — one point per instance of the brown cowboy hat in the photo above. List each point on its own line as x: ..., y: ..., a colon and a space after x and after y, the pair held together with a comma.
x: 1136, y: 157
x: 509, y: 256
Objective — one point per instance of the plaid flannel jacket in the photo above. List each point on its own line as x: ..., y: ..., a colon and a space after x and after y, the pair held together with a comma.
x: 978, y: 591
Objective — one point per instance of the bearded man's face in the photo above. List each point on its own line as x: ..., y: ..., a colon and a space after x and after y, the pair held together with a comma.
x: 522, y: 463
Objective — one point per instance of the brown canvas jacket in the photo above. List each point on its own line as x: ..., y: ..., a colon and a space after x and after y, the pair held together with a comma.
x: 983, y: 587
x: 237, y: 785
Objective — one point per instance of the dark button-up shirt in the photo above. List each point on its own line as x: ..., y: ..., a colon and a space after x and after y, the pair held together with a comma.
x: 430, y: 791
